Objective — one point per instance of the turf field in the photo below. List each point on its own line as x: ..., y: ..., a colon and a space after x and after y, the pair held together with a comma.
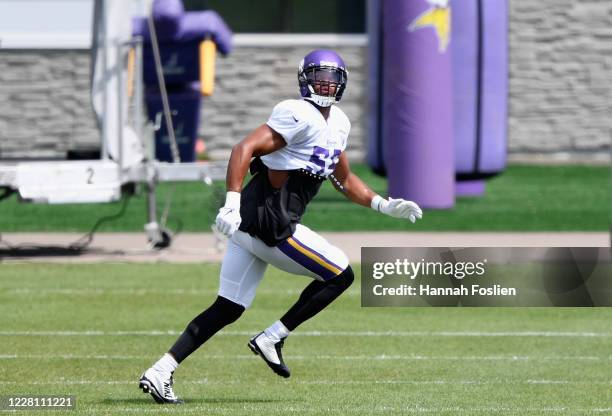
x: 90, y: 330
x: 523, y: 198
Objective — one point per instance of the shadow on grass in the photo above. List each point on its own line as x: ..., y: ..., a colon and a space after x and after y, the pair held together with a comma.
x: 190, y: 400
x: 40, y: 251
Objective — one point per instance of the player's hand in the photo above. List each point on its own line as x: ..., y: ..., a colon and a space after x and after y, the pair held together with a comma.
x: 398, y: 208
x: 228, y: 219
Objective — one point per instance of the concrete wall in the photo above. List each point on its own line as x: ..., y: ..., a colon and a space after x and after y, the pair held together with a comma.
x: 44, y: 103
x: 560, y: 77
x: 560, y: 88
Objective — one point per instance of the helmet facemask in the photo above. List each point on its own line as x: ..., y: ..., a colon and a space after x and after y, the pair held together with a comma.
x: 325, y: 84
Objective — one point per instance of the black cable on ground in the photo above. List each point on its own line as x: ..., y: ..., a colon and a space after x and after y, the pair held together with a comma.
x: 32, y: 249
x: 6, y: 192
x: 83, y: 242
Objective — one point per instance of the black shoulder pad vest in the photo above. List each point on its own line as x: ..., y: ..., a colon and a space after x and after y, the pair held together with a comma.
x: 271, y: 214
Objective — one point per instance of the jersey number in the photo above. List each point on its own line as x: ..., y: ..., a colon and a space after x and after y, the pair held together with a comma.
x: 320, y: 157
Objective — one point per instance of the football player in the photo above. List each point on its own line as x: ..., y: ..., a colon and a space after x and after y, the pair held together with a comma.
x: 300, y: 146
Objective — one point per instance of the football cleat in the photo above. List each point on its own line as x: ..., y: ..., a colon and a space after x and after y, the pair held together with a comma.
x: 270, y: 351
x: 159, y: 386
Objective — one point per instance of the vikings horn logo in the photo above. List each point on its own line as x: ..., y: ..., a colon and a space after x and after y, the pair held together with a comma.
x: 438, y: 17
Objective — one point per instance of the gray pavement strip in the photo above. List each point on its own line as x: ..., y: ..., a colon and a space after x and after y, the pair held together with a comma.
x: 204, y: 247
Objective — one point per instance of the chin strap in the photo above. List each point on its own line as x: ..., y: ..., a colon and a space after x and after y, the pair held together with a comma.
x: 322, y: 101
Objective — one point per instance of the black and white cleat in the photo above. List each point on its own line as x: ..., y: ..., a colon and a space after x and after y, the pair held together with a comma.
x: 159, y: 386
x: 270, y: 351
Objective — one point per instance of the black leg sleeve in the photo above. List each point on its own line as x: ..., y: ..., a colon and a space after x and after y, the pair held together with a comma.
x: 315, y: 297
x: 221, y: 313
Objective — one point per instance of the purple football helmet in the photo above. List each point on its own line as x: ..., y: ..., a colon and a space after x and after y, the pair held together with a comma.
x: 322, y: 77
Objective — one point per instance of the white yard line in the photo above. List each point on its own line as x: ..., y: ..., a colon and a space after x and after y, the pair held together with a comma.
x: 312, y: 357
x: 68, y: 382
x: 553, y: 334
x: 144, y: 292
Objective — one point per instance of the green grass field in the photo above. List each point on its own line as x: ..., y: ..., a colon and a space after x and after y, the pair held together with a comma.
x: 523, y: 198
x: 90, y: 330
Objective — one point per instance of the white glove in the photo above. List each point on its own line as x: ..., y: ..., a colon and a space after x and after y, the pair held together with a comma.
x: 228, y: 219
x: 398, y: 208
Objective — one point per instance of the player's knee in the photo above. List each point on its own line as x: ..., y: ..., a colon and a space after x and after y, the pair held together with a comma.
x: 221, y: 313
x: 229, y: 310
x: 345, y: 279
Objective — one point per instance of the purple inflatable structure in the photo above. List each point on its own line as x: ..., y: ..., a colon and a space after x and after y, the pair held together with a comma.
x: 480, y: 61
x: 174, y: 24
x: 411, y: 97
x: 374, y: 155
x: 416, y: 103
x: 179, y: 34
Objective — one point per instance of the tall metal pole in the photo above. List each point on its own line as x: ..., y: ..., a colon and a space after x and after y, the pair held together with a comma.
x: 120, y: 92
x: 104, y: 128
x: 176, y: 158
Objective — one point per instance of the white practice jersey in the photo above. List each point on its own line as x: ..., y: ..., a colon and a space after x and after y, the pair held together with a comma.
x: 313, y: 143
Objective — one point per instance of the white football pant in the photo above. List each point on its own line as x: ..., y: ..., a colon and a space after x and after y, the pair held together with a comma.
x: 305, y: 253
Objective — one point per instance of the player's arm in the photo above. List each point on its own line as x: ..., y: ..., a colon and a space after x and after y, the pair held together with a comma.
x: 350, y: 184
x: 261, y: 141
x: 345, y: 181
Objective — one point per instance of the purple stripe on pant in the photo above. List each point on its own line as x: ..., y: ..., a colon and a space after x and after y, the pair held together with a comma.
x: 305, y: 261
